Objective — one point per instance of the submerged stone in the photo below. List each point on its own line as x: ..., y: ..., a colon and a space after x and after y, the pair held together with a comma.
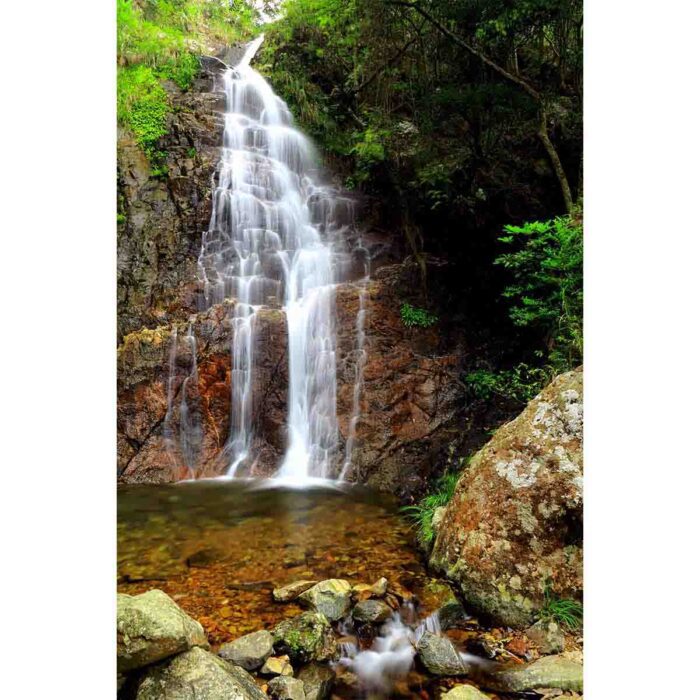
x: 547, y: 672
x: 198, y: 675
x: 439, y: 655
x: 286, y: 688
x: 291, y: 591
x: 331, y: 598
x: 151, y: 627
x: 306, y: 637
x: 248, y: 652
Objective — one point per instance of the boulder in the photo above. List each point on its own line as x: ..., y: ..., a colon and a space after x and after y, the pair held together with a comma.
x: 151, y: 627
x: 374, y: 611
x: 277, y: 666
x: 248, y: 652
x: 291, y: 591
x: 465, y: 692
x: 198, y: 675
x: 318, y: 681
x: 514, y: 523
x: 331, y: 598
x: 306, y: 637
x: 286, y: 688
x: 439, y: 656
x: 547, y: 672
x: 547, y: 636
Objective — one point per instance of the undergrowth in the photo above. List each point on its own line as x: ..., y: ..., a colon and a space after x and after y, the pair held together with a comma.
x: 412, y: 316
x: 564, y: 611
x: 421, y: 515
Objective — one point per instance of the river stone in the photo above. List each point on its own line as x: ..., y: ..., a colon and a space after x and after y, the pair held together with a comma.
x: 547, y: 672
x: 286, y: 688
x: 465, y: 692
x: 330, y: 598
x: 439, y: 655
x: 306, y: 637
x: 371, y: 611
x: 291, y: 591
x: 151, y: 627
x: 249, y: 651
x: 277, y: 666
x: 547, y: 636
x: 198, y: 675
x: 318, y: 681
x: 450, y: 613
x: 516, y: 517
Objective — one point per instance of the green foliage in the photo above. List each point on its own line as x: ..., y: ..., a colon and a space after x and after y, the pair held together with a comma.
x: 521, y: 383
x: 121, y: 218
x: 421, y: 515
x: 412, y: 316
x: 566, y: 612
x: 160, y: 40
x: 546, y: 266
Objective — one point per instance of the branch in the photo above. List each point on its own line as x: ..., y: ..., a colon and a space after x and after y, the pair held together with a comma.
x: 524, y: 85
x: 391, y: 61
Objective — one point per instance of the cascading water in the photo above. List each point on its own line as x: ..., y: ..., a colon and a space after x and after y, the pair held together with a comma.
x: 276, y: 238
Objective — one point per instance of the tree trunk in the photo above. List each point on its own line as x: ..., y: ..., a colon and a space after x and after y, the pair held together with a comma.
x: 556, y: 163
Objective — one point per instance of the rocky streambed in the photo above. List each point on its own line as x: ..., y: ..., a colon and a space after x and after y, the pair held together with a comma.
x: 238, y: 590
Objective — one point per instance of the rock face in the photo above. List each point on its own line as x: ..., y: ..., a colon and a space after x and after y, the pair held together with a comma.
x: 250, y: 651
x: 198, y: 675
x: 151, y: 627
x: 515, y: 521
x: 307, y: 637
x: 331, y: 598
x: 439, y: 655
x: 547, y: 672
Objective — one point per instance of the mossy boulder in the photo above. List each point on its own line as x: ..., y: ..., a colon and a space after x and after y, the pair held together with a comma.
x: 249, y: 651
x: 198, y: 675
x: 307, y: 637
x: 152, y: 627
x: 514, y: 523
x: 331, y: 598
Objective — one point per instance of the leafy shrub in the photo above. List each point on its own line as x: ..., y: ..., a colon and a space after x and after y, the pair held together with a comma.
x: 566, y: 612
x: 412, y: 316
x: 547, y: 289
x: 421, y: 515
x: 522, y: 383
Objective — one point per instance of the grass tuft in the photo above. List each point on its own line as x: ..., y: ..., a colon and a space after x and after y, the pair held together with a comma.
x: 566, y: 612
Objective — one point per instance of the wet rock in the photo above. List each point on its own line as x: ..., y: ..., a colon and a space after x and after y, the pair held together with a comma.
x: 465, y: 692
x: 547, y: 636
x: 373, y: 611
x: 547, y: 672
x: 307, y: 637
x: 151, y: 627
x: 450, y: 613
x: 286, y: 688
x: 198, y: 675
x: 248, y: 652
x: 291, y: 591
x: 331, y: 598
x: 439, y: 655
x: 277, y: 666
x: 515, y: 519
x: 318, y: 681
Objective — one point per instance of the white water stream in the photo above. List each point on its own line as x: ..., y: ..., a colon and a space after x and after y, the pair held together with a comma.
x: 276, y: 238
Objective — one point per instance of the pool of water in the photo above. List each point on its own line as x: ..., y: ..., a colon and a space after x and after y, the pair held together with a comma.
x: 220, y: 547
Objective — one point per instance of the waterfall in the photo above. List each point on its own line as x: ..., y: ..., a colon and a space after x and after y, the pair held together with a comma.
x: 277, y: 237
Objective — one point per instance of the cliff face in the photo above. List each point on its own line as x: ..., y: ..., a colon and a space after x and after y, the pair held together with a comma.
x: 411, y: 397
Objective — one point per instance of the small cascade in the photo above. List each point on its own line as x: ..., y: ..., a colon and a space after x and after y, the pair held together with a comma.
x: 276, y: 238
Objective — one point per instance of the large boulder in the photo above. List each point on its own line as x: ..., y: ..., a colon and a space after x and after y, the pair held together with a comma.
x: 198, y: 675
x: 249, y: 651
x: 331, y: 598
x: 151, y: 627
x: 547, y: 672
x: 514, y: 524
x: 306, y: 637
